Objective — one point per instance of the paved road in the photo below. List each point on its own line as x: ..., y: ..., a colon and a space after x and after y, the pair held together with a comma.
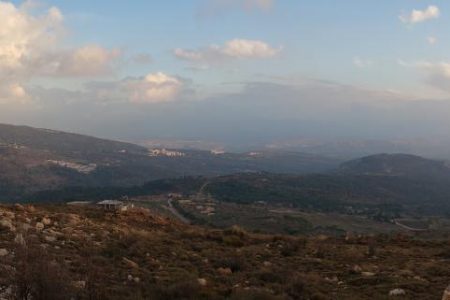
x: 176, y: 213
x: 409, y: 228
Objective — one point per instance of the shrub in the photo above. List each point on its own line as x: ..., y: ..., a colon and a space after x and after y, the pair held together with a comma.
x: 38, y: 277
x: 235, y: 263
x: 253, y: 295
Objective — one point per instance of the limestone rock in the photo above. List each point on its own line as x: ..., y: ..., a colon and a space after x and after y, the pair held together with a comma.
x: 79, y: 284
x: 46, y: 221
x: 446, y: 294
x: 39, y: 226
x: 3, y: 252
x: 356, y: 269
x: 7, y: 225
x: 202, y: 281
x: 30, y: 208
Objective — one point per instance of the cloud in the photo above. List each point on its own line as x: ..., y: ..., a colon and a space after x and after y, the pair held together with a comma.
x: 231, y: 50
x: 31, y: 46
x: 432, y: 40
x: 13, y: 93
x: 86, y: 61
x: 362, y: 63
x: 151, y: 89
x: 154, y: 88
x: 260, y: 111
x: 437, y: 74
x: 419, y: 16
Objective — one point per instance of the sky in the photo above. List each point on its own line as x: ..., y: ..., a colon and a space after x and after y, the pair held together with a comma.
x: 228, y: 70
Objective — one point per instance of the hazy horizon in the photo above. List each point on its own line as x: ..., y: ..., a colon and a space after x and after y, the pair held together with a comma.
x: 236, y: 72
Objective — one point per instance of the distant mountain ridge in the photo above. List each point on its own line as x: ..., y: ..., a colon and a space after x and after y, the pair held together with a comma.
x: 397, y: 165
x: 32, y: 160
x: 381, y: 186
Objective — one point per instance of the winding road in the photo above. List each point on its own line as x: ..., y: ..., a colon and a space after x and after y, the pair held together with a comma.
x: 176, y: 213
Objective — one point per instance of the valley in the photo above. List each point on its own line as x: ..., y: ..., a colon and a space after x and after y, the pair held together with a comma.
x: 203, y: 225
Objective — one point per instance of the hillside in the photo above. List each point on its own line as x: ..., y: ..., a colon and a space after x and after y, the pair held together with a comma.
x: 63, y: 252
x: 381, y: 186
x: 33, y: 160
x: 398, y: 165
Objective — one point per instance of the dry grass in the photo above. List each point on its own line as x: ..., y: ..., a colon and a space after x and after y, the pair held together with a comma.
x: 139, y: 255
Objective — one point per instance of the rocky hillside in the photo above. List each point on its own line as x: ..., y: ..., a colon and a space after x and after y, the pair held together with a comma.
x: 62, y: 252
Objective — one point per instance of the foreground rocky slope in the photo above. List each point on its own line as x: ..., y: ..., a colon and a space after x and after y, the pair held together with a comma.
x: 62, y: 252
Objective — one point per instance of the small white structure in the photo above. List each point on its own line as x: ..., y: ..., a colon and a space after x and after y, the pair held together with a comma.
x: 113, y: 205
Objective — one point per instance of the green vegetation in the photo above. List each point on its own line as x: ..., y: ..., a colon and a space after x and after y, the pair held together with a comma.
x: 378, y: 197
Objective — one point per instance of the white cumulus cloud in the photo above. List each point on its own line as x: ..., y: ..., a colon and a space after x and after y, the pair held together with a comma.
x: 240, y: 48
x: 154, y: 88
x: 86, y: 61
x: 418, y: 16
x: 233, y: 49
x: 31, y: 46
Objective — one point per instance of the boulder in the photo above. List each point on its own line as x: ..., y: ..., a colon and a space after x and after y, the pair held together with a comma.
x: 7, y: 225
x: 72, y: 219
x: 3, y: 252
x: 30, y: 208
x: 224, y: 271
x: 39, y: 226
x: 446, y: 294
x: 202, y: 281
x: 267, y: 264
x: 79, y: 284
x: 356, y: 269
x: 46, y: 221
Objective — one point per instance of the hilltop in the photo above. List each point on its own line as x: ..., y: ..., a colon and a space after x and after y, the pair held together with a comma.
x: 62, y: 252
x: 398, y: 165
